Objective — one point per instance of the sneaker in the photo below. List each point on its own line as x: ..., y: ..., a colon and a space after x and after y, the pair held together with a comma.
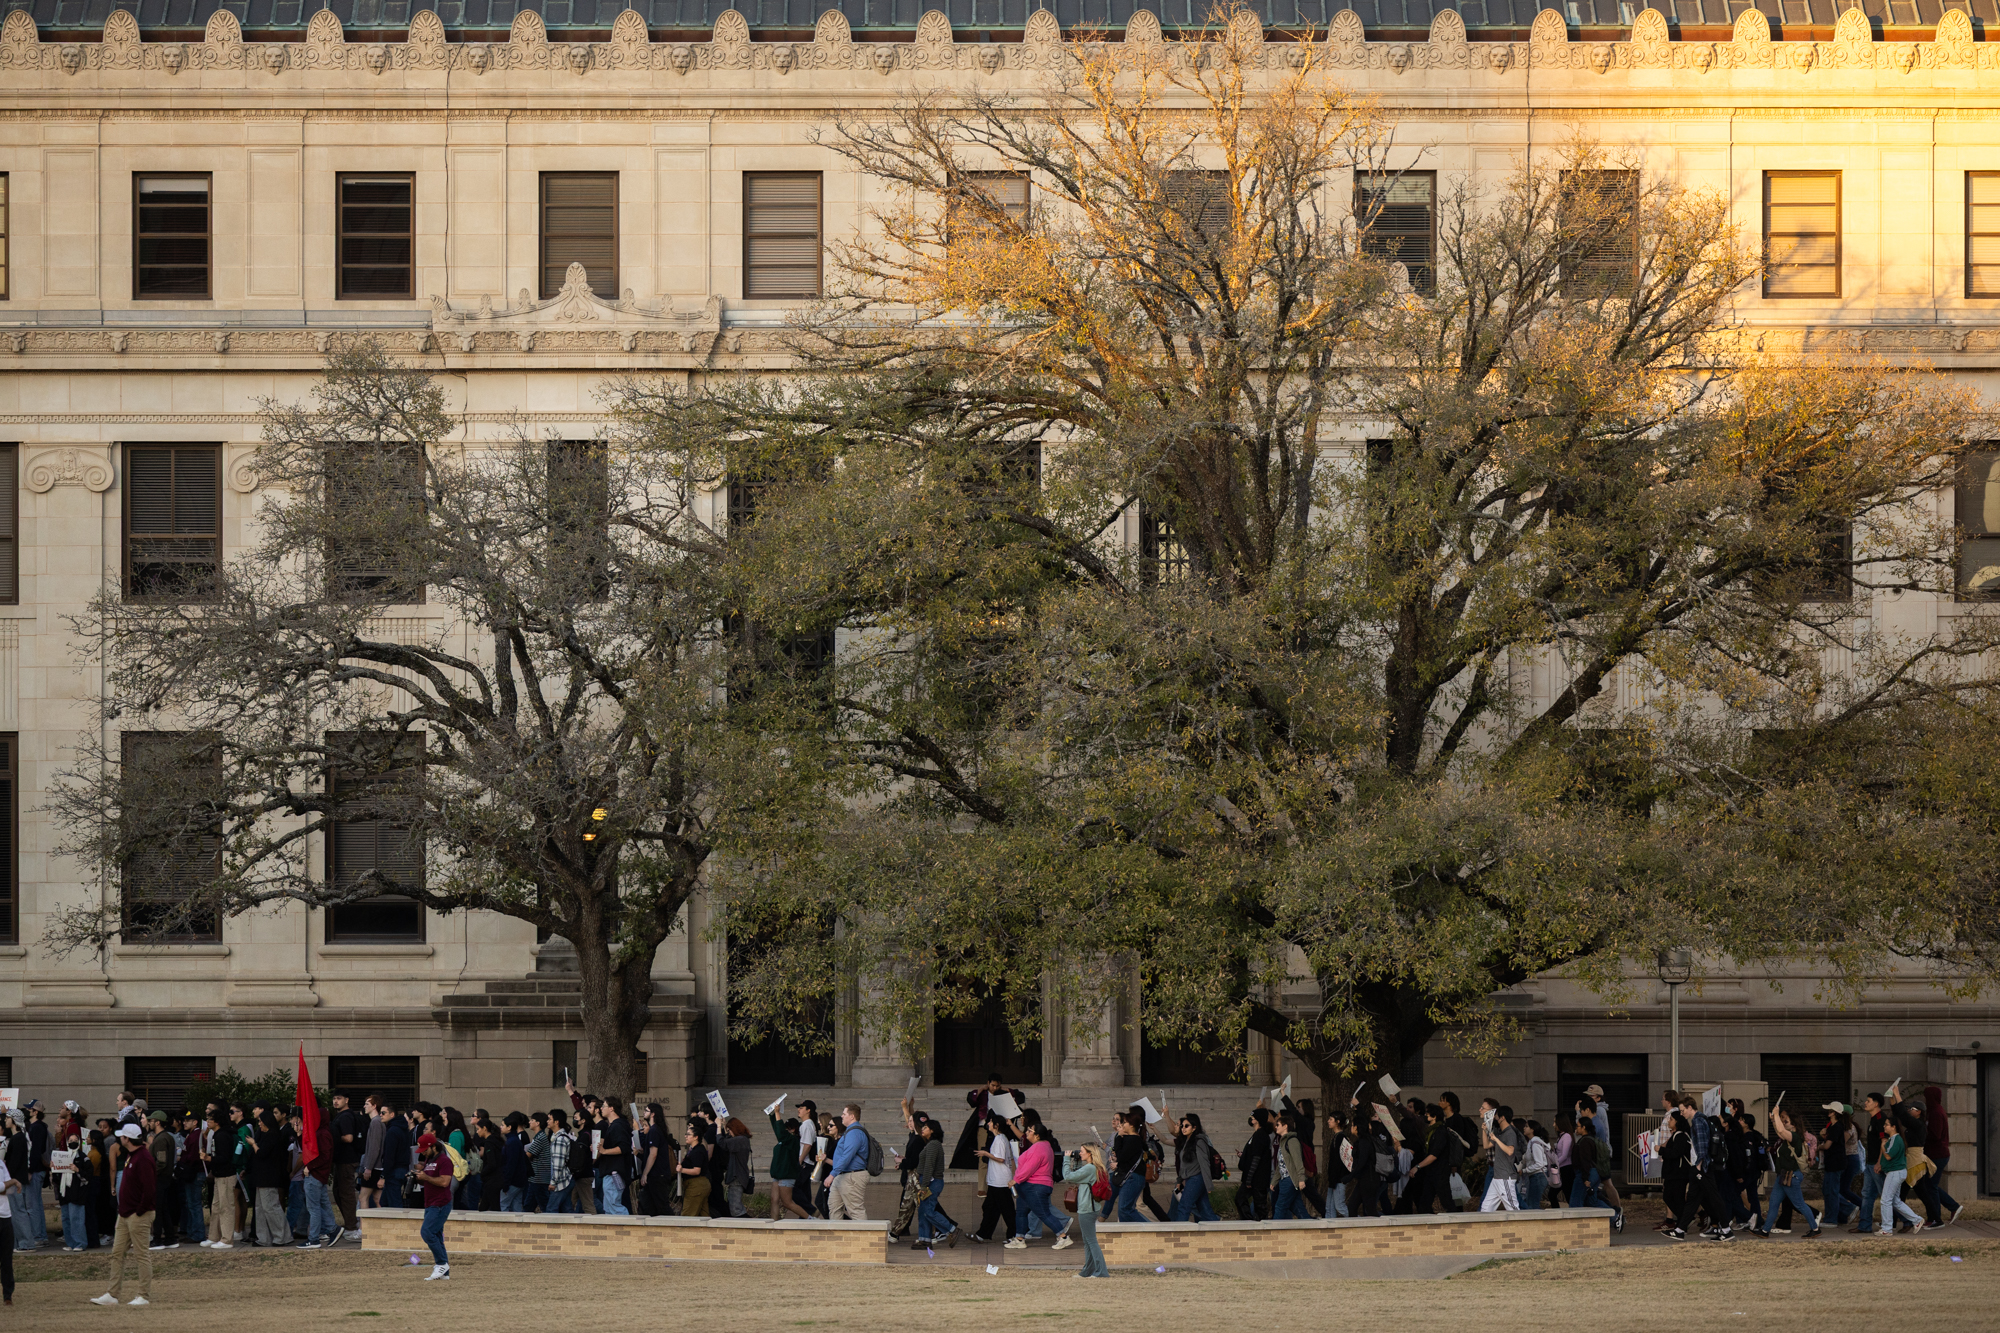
x: 338, y: 1232
x: 1955, y: 1212
x: 1881, y: 1235
x: 439, y: 1273
x: 205, y: 1244
x: 1677, y: 1234
x: 1062, y: 1243
x: 221, y: 1245
x: 1015, y: 1244
x: 309, y: 1245
x: 106, y: 1299
x: 1618, y: 1221
x: 1915, y: 1227
x: 1719, y: 1235
x: 951, y: 1239
x: 1780, y: 1231
x: 136, y: 1300
x: 1810, y: 1234
x: 156, y: 1247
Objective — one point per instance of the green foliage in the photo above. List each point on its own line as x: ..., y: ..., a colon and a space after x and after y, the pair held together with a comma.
x: 278, y: 1088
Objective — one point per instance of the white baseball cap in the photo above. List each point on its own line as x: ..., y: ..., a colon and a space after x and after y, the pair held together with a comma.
x: 128, y: 1131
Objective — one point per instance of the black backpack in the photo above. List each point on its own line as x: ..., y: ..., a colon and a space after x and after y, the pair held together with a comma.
x: 874, y: 1155
x: 1455, y: 1149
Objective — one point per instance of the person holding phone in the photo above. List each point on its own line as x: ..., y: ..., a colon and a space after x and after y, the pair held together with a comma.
x: 434, y: 1173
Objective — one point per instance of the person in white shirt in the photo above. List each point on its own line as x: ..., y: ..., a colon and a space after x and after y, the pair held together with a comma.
x: 999, y: 1157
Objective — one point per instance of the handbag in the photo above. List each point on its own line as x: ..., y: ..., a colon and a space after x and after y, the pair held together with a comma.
x: 1069, y: 1199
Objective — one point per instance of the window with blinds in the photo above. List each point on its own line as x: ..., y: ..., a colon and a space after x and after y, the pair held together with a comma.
x: 368, y: 559
x: 1599, y: 218
x: 170, y: 1083
x: 369, y: 839
x: 377, y: 237
x: 10, y: 524
x: 167, y: 782
x: 391, y: 1079
x: 173, y: 521
x: 5, y: 220
x: 1006, y: 191
x: 1982, y: 233
x: 1801, y: 233
x: 579, y: 481
x: 170, y: 231
x: 580, y: 226
x: 1201, y: 200
x: 10, y: 832
x: 1978, y: 514
x: 1397, y: 217
x: 781, y: 235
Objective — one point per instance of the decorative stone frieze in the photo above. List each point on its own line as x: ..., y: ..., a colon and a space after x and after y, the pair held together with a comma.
x: 83, y: 465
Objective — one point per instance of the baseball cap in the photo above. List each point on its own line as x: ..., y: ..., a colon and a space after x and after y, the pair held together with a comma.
x: 32, y: 1103
x: 128, y: 1131
x: 1593, y: 1091
x: 1841, y: 1107
x: 160, y: 1116
x: 426, y: 1142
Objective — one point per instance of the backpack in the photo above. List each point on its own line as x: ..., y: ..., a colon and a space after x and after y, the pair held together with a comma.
x: 874, y: 1155
x: 1455, y: 1149
x: 459, y: 1170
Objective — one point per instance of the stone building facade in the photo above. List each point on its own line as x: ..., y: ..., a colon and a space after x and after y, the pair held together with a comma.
x: 199, y: 198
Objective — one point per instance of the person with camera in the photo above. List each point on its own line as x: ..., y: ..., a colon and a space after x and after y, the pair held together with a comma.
x: 1083, y: 1168
x: 434, y: 1173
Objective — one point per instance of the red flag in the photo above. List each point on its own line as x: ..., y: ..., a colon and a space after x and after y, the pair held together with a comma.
x: 308, y: 1110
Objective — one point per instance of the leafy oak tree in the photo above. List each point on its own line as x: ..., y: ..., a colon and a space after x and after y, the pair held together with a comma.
x: 557, y: 747
x: 1331, y: 636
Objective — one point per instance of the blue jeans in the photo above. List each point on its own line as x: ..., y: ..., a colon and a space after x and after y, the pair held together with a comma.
x: 76, y: 1226
x: 1892, y: 1202
x: 295, y: 1209
x: 614, y: 1195
x: 433, y: 1230
x: 1290, y: 1205
x: 1533, y: 1187
x: 320, y: 1221
x: 192, y: 1225
x: 1583, y: 1194
x: 538, y: 1198
x: 392, y: 1189
x: 1033, y: 1201
x: 512, y: 1199
x: 1191, y: 1202
x: 561, y: 1202
x: 1128, y: 1196
x: 28, y: 1218
x: 932, y: 1224
x: 1780, y: 1193
x: 1871, y: 1190
x: 1093, y: 1253
x: 1834, y: 1190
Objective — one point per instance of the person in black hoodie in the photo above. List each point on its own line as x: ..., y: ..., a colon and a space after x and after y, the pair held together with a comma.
x: 270, y: 1145
x: 1253, y: 1170
x: 1338, y: 1172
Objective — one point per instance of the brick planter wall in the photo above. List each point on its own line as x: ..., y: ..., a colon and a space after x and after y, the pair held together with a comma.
x: 751, y: 1241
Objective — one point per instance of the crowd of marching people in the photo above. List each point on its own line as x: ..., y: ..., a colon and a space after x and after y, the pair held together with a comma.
x: 139, y: 1180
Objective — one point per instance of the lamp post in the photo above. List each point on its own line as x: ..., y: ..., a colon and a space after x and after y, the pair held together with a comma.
x: 1675, y: 967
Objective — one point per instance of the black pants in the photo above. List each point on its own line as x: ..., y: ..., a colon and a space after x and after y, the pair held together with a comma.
x: 7, y: 1257
x: 997, y: 1206
x: 1253, y: 1203
x: 1700, y: 1193
x: 1146, y: 1197
x: 1364, y: 1195
x: 166, y: 1213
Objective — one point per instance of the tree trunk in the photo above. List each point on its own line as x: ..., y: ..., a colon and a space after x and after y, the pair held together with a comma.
x: 617, y: 998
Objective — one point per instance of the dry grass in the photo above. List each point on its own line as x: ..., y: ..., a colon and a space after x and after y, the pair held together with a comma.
x: 1769, y: 1288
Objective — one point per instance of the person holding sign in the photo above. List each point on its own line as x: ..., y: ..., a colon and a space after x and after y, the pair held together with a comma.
x: 965, y: 1156
x: 784, y: 1171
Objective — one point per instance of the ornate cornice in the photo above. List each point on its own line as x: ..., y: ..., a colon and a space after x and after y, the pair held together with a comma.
x: 729, y: 49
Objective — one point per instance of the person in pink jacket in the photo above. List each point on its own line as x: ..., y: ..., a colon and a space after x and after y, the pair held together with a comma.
x: 1034, y: 1179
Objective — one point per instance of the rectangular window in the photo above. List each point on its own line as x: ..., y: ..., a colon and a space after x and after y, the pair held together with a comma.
x: 1600, y: 222
x: 1982, y: 233
x: 377, y: 237
x: 562, y: 1063
x: 170, y: 230
x: 1978, y: 506
x: 173, y: 521
x: 1162, y: 557
x: 1005, y: 191
x: 5, y: 290
x: 1808, y: 1081
x: 167, y: 781
x: 1802, y: 233
x: 370, y: 842
x: 781, y: 229
x: 391, y: 1079
x: 10, y: 841
x: 579, y: 479
x: 1397, y: 215
x: 10, y: 524
x: 168, y: 1082
x: 1831, y: 578
x: 580, y: 226
x: 375, y: 501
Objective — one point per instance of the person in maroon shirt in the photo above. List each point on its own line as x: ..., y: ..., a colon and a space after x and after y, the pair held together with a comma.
x: 138, y: 1188
x: 434, y: 1173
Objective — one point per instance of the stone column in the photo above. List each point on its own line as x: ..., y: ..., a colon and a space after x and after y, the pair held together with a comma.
x: 877, y: 1064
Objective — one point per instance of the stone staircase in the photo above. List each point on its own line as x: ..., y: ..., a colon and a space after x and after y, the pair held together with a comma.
x: 544, y: 1000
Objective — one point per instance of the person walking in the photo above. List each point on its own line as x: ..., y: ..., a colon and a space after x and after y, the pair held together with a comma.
x: 693, y: 1171
x: 784, y: 1169
x: 31, y: 1226
x: 1937, y: 1147
x: 847, y: 1174
x: 536, y: 1152
x: 270, y: 1174
x: 11, y: 1192
x: 1290, y: 1160
x: 614, y: 1149
x: 1034, y: 1181
x: 138, y: 1183
x: 1194, y: 1164
x: 998, y: 1157
x: 1253, y: 1168
x: 350, y: 1141
x: 562, y: 1179
x: 74, y: 1187
x: 322, y: 1226
x: 220, y: 1156
x: 1892, y: 1168
x: 737, y: 1179
x: 1788, y: 1174
x: 933, y: 1224
x: 806, y: 1185
x: 1504, y: 1147
x: 434, y: 1171
x: 1129, y: 1161
x: 1085, y: 1171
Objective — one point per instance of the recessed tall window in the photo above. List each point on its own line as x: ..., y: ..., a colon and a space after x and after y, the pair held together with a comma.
x: 10, y: 524
x: 1982, y: 233
x: 167, y: 781
x: 580, y: 226
x: 1978, y: 512
x: 1600, y: 219
x: 173, y: 521
x: 1006, y: 191
x: 5, y: 290
x: 10, y: 839
x: 579, y: 478
x: 781, y: 235
x: 170, y: 236
x: 1801, y: 233
x: 1201, y: 199
x: 375, y: 507
x: 1163, y: 559
x: 1397, y: 215
x: 377, y: 237
x: 371, y: 841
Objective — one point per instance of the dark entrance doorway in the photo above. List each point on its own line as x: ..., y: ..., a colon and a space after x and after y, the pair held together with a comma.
x: 973, y: 1048
x: 769, y: 1059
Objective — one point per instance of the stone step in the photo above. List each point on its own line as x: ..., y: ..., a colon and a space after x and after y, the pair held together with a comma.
x: 537, y: 986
